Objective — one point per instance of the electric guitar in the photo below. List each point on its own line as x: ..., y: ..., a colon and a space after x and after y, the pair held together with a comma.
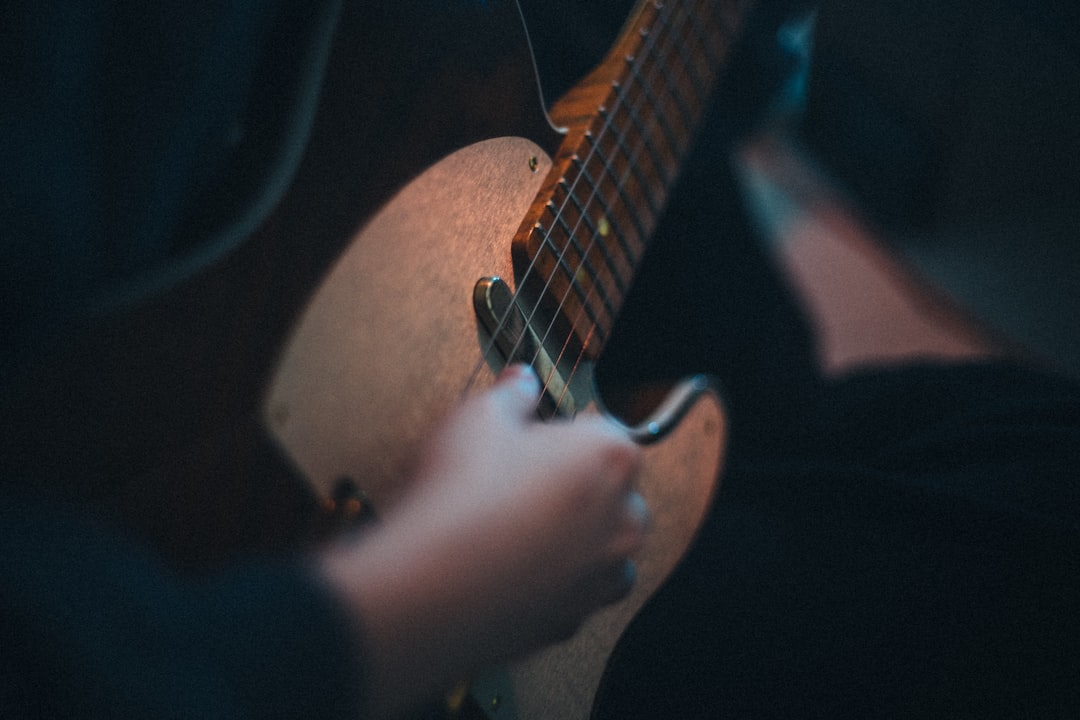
x: 519, y: 249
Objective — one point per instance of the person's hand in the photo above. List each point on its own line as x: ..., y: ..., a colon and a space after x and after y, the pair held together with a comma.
x: 514, y: 531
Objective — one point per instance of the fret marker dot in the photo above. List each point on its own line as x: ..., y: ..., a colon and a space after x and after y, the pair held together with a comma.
x: 604, y: 227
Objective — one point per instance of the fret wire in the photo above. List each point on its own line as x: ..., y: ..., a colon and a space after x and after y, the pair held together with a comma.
x: 582, y: 258
x: 591, y: 316
x: 612, y: 217
x: 659, y: 68
x: 616, y: 225
x: 596, y: 148
x: 585, y: 262
x: 707, y: 45
x: 706, y: 42
x: 619, y: 186
x: 635, y: 217
x: 646, y: 137
x: 635, y: 169
x: 663, y: 171
x: 660, y: 116
x: 562, y: 264
x: 594, y: 232
x: 607, y: 164
x: 700, y: 87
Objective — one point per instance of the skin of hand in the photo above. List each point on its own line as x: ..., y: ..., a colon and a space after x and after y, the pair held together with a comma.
x: 513, y: 532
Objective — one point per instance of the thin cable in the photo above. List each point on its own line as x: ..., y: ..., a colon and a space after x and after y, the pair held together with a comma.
x: 536, y: 72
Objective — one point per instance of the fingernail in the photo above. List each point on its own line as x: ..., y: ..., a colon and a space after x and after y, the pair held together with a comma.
x: 523, y: 375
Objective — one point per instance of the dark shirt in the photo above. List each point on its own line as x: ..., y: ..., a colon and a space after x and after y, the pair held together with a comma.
x: 138, y: 143
x: 912, y: 550
x: 93, y: 625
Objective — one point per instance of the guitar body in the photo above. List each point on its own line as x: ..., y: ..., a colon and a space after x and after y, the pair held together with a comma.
x: 390, y: 339
x: 390, y: 342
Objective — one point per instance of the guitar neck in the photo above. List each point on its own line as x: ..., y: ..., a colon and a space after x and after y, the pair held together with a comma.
x: 628, y: 125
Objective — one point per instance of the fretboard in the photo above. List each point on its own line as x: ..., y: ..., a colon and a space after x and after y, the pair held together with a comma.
x: 629, y: 126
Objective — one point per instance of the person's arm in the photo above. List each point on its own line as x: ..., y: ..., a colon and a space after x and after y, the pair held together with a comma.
x: 94, y: 625
x: 515, y: 532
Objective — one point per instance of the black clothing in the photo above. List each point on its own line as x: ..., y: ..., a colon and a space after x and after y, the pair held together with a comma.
x: 954, y: 124
x: 913, y: 550
x: 138, y: 143
x: 93, y: 625
x: 893, y: 543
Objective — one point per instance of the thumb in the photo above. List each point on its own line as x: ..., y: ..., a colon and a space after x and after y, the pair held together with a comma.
x: 517, y: 390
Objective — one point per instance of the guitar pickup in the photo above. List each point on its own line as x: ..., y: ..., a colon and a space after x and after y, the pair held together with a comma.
x: 513, y: 330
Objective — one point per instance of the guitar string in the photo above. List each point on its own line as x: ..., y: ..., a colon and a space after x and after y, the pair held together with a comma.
x: 622, y: 95
x: 504, y: 319
x: 661, y: 69
x: 645, y: 98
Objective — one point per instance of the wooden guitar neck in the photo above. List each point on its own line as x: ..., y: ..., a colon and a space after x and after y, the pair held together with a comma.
x: 629, y: 124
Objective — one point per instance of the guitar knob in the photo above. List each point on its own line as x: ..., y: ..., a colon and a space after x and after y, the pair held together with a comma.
x: 349, y: 506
